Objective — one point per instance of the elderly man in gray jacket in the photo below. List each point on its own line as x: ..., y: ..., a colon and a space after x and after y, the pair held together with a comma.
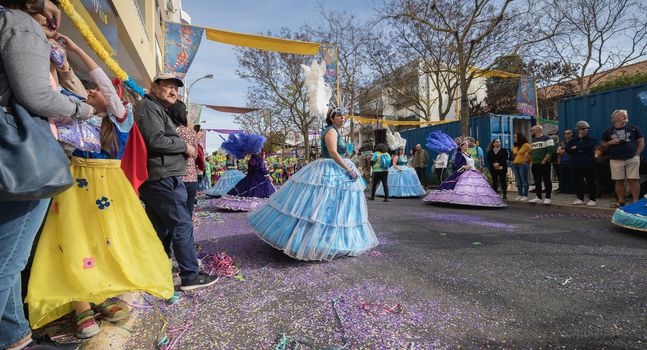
x: 164, y: 193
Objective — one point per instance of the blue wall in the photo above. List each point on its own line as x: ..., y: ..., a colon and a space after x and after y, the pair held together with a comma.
x: 596, y: 109
x: 482, y: 128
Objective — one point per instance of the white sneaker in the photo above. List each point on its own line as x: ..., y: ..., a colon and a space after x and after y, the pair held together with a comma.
x: 523, y: 198
x: 578, y: 202
x: 592, y: 203
x: 547, y: 201
x: 517, y: 198
x: 534, y: 200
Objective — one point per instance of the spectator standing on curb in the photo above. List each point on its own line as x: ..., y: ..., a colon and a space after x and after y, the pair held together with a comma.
x: 25, y: 79
x: 580, y: 149
x: 624, y: 143
x: 420, y: 159
x: 497, y: 158
x: 178, y: 113
x: 440, y: 167
x: 521, y: 157
x: 563, y: 165
x: 542, y: 150
x: 164, y: 193
x: 476, y: 152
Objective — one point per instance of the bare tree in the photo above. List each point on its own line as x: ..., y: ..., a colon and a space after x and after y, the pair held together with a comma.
x: 600, y: 36
x: 412, y: 63
x: 477, y: 31
x: 277, y: 82
x: 349, y: 35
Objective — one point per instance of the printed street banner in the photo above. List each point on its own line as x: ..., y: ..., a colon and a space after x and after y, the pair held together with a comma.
x: 195, y: 109
x: 181, y: 42
x: 526, y: 97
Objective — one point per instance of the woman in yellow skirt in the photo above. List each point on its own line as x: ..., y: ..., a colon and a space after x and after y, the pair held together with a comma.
x: 97, y: 242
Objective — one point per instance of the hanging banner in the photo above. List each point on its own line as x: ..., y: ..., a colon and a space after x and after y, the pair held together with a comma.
x: 526, y: 97
x: 224, y: 131
x: 181, y: 43
x: 263, y: 42
x: 364, y: 120
x: 230, y: 109
x: 193, y: 117
x: 330, y: 58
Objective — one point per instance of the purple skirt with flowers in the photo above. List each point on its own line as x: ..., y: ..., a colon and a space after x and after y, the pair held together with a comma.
x: 466, y: 188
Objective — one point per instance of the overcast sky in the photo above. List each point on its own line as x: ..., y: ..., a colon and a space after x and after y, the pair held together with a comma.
x: 246, y: 16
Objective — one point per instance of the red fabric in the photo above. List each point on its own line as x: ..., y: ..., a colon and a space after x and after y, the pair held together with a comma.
x: 199, y: 160
x: 134, y: 159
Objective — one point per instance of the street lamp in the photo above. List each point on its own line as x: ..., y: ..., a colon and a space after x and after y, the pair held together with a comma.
x: 188, y: 91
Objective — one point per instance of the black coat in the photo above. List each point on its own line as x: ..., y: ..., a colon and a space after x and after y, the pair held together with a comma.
x: 501, y: 157
x: 165, y: 147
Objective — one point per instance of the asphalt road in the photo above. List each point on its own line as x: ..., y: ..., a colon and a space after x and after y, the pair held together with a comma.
x: 443, y: 278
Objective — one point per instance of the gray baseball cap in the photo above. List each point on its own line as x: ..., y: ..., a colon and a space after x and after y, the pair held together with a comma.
x: 168, y: 76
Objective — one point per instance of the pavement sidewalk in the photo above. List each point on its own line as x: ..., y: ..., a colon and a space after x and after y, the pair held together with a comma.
x: 564, y: 201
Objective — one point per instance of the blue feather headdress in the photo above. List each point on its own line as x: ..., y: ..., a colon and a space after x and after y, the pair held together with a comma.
x: 240, y: 145
x: 440, y: 142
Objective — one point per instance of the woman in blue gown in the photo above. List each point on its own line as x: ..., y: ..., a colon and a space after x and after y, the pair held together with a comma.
x: 228, y: 180
x: 403, y: 180
x: 320, y: 212
x: 632, y: 216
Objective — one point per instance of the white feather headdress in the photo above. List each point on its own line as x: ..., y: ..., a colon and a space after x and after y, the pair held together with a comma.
x: 394, y: 140
x: 318, y: 91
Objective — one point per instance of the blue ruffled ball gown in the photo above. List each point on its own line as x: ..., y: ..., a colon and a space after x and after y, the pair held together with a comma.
x: 632, y: 216
x: 403, y: 182
x: 319, y: 213
x: 226, y: 182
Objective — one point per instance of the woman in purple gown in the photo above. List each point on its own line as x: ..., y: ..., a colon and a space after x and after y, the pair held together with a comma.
x: 256, y: 186
x: 465, y: 186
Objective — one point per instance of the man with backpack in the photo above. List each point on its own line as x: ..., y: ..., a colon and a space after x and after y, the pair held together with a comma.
x: 381, y: 161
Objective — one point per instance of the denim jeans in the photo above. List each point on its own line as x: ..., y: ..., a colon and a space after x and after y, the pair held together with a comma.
x: 521, y: 178
x: 19, y: 223
x: 165, y: 202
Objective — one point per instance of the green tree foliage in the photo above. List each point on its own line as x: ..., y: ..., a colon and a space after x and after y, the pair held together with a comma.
x: 622, y: 81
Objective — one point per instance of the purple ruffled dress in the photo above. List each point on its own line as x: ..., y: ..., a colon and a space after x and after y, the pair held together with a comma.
x: 465, y: 188
x: 251, y: 191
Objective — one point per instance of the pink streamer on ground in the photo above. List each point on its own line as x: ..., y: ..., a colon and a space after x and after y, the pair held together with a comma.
x: 221, y: 264
x: 376, y: 309
x: 177, y: 339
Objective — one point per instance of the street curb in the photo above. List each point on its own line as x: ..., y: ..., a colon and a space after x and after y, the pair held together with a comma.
x: 564, y: 208
x: 115, y: 336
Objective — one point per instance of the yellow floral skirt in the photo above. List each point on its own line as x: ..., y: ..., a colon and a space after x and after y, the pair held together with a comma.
x: 97, y: 243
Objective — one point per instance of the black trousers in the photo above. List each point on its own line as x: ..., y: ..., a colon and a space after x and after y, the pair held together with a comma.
x: 541, y: 174
x: 422, y: 176
x: 165, y: 201
x: 581, y: 174
x: 383, y: 177
x: 191, y: 192
x: 499, y: 177
x: 566, y: 184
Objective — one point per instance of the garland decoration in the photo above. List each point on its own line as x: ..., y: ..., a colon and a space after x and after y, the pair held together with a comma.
x: 95, y: 45
x: 364, y: 120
